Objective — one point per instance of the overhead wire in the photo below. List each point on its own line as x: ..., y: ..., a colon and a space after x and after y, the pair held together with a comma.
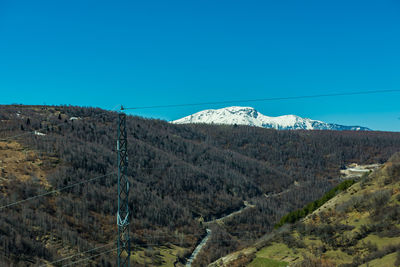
x: 150, y: 244
x: 91, y: 257
x: 66, y: 187
x: 86, y: 181
x: 261, y: 99
x: 76, y: 184
x: 54, y: 191
x: 147, y: 245
x: 79, y: 183
x: 79, y: 253
x: 169, y: 106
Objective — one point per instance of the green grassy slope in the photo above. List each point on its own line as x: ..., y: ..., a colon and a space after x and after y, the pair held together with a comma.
x: 360, y: 226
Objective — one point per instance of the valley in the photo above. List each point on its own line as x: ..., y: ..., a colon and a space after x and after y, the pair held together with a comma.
x: 179, y: 173
x: 357, y: 227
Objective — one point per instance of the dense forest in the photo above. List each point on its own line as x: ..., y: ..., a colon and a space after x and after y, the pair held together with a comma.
x: 181, y: 175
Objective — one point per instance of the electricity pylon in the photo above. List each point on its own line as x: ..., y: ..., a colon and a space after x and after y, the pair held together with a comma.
x: 124, y: 243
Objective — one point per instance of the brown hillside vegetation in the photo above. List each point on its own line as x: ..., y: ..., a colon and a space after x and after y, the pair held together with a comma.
x: 358, y: 227
x: 178, y: 174
x: 22, y: 164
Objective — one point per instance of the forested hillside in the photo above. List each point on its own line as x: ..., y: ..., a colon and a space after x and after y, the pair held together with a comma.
x: 359, y: 226
x: 181, y: 175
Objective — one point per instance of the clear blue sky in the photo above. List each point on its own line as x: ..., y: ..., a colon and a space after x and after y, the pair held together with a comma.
x: 140, y: 53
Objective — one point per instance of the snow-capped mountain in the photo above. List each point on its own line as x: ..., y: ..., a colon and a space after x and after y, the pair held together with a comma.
x: 250, y: 116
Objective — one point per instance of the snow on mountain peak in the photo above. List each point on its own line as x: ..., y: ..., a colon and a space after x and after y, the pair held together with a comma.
x: 250, y: 116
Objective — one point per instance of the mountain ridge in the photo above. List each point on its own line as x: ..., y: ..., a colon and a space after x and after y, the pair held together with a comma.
x: 251, y: 117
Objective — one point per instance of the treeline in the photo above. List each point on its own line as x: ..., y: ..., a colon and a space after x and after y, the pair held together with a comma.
x: 296, y: 215
x: 179, y: 174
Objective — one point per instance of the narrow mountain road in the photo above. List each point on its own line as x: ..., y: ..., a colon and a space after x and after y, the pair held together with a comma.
x: 222, y: 219
x: 203, y: 242
x: 277, y: 194
x: 352, y: 171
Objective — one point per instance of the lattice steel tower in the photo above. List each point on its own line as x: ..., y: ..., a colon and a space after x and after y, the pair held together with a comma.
x: 123, y: 214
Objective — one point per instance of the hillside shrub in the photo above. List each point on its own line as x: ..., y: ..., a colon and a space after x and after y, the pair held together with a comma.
x: 315, y: 262
x: 296, y: 215
x: 291, y: 241
x: 372, y: 202
x: 397, y: 262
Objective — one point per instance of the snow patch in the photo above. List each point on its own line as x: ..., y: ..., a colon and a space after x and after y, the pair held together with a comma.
x: 39, y: 133
x: 251, y: 117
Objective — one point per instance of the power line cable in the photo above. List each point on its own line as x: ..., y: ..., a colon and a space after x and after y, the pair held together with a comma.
x: 154, y: 244
x: 74, y: 255
x: 86, y: 181
x: 150, y: 245
x: 54, y: 191
x: 261, y: 99
x: 98, y: 177
x: 58, y: 190
x: 88, y: 258
x: 147, y: 245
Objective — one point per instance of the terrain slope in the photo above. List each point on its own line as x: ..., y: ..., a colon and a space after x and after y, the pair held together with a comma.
x: 360, y: 226
x: 182, y: 177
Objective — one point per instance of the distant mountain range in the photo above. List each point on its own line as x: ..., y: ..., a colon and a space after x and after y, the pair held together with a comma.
x: 250, y: 116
